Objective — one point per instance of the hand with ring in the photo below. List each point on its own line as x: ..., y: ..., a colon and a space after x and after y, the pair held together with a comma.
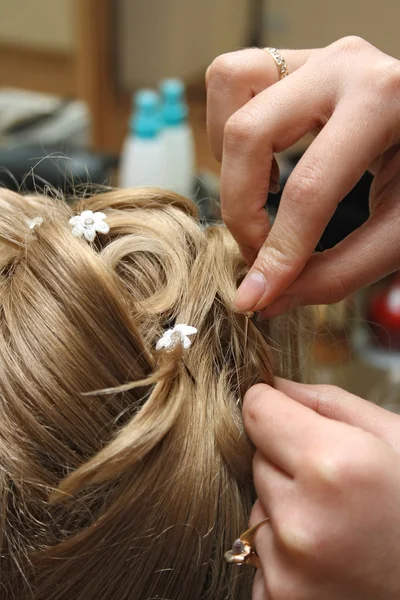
x: 349, y: 94
x: 327, y: 475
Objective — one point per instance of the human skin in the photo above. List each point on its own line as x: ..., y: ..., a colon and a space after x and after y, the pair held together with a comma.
x: 327, y: 473
x: 349, y: 94
x: 327, y: 463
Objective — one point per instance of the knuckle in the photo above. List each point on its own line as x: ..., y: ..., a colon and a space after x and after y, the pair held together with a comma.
x: 384, y: 78
x: 329, y: 469
x: 303, y: 187
x: 239, y: 129
x: 332, y: 470
x: 351, y: 44
x: 379, y: 84
x: 223, y: 70
x: 300, y: 541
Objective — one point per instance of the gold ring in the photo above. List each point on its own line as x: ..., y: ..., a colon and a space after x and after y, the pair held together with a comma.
x: 280, y: 62
x: 243, y: 551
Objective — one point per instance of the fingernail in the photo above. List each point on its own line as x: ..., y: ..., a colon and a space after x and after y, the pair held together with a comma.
x: 279, y: 307
x: 250, y: 291
x: 275, y: 188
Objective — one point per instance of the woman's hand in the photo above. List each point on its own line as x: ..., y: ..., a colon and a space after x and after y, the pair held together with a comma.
x: 327, y: 473
x: 350, y: 92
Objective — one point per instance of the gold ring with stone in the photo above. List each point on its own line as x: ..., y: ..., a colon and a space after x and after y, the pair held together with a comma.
x: 243, y: 551
x: 280, y: 62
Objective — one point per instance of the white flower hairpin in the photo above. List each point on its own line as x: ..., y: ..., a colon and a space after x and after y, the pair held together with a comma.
x: 88, y: 223
x: 175, y: 336
x: 32, y: 223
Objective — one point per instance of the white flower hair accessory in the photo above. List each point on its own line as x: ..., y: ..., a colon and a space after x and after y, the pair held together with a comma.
x: 88, y: 223
x: 175, y: 336
x: 32, y: 223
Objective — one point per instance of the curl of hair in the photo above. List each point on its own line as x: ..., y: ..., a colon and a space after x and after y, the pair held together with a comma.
x: 144, y: 456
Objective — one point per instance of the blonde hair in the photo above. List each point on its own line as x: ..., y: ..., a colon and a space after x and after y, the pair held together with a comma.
x: 150, y: 482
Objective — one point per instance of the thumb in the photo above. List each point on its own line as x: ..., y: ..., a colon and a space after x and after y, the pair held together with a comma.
x: 334, y: 403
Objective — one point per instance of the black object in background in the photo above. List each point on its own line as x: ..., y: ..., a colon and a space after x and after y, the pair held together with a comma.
x: 32, y: 168
x: 350, y: 214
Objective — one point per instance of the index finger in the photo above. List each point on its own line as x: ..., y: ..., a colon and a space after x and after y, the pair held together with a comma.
x: 328, y: 170
x: 338, y: 405
x: 271, y: 122
x: 281, y: 429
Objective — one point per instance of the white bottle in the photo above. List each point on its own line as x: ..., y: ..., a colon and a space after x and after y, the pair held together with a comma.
x: 178, y: 139
x: 143, y: 157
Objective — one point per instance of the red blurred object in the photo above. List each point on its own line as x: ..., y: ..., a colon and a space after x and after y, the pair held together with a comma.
x: 384, y: 315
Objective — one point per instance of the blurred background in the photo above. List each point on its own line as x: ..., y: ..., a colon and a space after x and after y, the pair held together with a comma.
x: 71, y: 115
